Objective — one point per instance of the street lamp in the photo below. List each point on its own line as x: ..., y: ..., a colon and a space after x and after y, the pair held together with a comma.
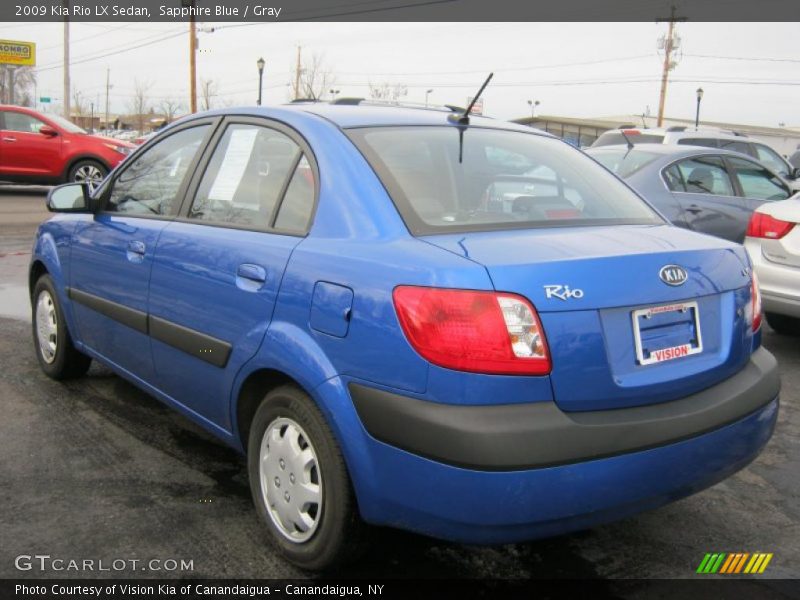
x: 533, y: 104
x: 333, y: 93
x: 697, y: 114
x: 260, y: 64
x: 427, y: 93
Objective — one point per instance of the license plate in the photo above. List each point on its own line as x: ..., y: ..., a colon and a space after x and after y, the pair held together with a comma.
x: 667, y: 332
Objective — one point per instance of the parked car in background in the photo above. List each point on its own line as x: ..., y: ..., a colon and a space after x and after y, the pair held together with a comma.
x: 46, y: 149
x: 335, y: 291
x: 710, y: 191
x: 773, y: 242
x: 794, y: 159
x: 709, y: 138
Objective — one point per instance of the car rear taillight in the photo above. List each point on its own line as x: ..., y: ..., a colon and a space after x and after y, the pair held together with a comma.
x: 755, y: 303
x: 766, y: 226
x: 480, y: 332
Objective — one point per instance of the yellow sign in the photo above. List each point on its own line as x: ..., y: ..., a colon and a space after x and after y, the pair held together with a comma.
x: 22, y: 54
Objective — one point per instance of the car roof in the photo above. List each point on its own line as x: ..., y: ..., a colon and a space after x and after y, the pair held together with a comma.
x: 16, y: 107
x: 685, y: 132
x: 671, y: 151
x: 365, y: 115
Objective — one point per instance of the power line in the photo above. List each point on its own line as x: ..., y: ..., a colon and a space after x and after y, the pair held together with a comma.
x: 86, y: 59
x: 88, y: 37
x: 748, y: 58
x: 510, y: 69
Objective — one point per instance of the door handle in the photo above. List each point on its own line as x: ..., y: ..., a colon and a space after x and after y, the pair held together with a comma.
x: 694, y: 209
x: 136, y: 247
x: 252, y: 272
x: 9, y: 139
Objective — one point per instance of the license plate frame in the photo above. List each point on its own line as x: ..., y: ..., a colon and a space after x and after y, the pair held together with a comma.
x: 673, y: 352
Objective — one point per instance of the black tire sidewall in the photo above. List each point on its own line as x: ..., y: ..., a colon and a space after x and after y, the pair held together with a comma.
x: 325, y: 547
x: 783, y: 324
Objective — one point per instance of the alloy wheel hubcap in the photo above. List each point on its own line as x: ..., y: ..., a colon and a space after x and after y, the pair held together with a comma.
x: 46, y: 327
x: 89, y: 174
x: 291, y: 483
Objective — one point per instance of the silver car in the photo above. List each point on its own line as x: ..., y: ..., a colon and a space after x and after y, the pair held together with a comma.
x: 773, y: 242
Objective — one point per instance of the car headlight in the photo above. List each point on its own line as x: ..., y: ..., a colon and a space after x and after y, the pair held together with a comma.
x: 124, y: 150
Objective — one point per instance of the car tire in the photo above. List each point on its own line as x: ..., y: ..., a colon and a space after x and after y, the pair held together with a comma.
x: 52, y: 341
x: 783, y: 324
x: 297, y: 475
x: 87, y: 170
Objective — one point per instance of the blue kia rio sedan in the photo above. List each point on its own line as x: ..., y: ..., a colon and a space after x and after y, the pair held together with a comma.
x: 411, y: 318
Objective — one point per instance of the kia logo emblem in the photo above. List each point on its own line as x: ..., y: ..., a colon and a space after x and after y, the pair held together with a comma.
x: 673, y: 275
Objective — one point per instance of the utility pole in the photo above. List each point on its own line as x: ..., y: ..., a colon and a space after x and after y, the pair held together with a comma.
x: 108, y: 87
x: 297, y: 76
x: 11, y: 84
x: 669, y: 46
x: 66, y: 62
x: 192, y: 61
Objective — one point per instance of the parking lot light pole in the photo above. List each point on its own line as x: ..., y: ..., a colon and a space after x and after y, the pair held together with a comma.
x: 260, y: 64
x: 697, y: 114
x: 427, y: 93
x: 533, y: 104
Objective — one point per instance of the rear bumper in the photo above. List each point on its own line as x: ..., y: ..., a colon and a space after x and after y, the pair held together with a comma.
x: 779, y: 284
x: 500, y: 504
x: 535, y: 435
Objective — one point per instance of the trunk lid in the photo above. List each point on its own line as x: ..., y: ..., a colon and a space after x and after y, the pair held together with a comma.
x: 594, y: 287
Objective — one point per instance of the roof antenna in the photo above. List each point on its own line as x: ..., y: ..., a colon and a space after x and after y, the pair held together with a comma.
x: 627, y: 140
x: 462, y: 120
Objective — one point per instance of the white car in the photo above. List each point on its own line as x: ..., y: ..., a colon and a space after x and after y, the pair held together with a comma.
x: 773, y: 242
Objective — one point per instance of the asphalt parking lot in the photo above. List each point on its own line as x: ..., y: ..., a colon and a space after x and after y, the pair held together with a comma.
x: 95, y: 469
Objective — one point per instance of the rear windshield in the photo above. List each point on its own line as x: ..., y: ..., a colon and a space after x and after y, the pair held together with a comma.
x: 614, y: 138
x: 621, y: 161
x: 504, y: 180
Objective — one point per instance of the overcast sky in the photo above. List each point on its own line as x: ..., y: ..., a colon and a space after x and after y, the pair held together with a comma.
x: 620, y: 73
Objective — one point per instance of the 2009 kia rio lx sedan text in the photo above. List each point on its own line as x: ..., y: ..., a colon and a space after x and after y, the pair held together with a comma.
x: 356, y: 298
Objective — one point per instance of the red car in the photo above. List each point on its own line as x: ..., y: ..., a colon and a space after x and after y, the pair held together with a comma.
x: 48, y: 149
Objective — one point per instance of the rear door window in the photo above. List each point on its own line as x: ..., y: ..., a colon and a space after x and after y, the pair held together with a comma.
x: 245, y: 177
x: 705, y: 175
x: 297, y: 206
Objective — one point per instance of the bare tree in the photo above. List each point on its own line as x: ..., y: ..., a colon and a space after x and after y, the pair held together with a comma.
x: 139, y: 103
x: 208, y: 90
x: 79, y: 102
x: 387, y: 91
x: 24, y: 85
x: 316, y: 78
x: 170, y: 107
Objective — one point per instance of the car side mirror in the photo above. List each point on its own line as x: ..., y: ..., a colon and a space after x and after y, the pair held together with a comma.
x: 48, y: 131
x: 70, y: 198
x: 795, y: 173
